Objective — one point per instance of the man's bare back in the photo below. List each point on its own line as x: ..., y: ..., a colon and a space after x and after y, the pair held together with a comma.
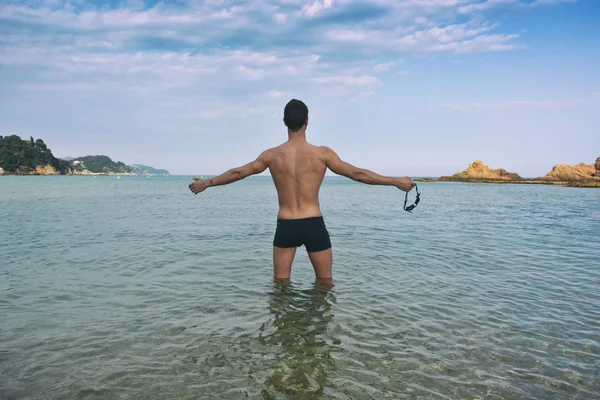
x: 298, y: 169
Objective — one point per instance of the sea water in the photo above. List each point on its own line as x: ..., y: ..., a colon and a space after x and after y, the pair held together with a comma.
x: 135, y: 288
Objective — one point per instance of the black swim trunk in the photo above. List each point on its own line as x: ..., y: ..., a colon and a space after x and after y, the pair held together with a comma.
x: 310, y: 232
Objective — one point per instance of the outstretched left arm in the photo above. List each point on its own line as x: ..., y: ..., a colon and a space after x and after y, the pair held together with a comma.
x: 235, y: 174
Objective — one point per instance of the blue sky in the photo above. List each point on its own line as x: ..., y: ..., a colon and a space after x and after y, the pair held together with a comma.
x: 404, y: 87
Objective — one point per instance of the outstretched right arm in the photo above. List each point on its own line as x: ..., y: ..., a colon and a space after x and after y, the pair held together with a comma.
x: 337, y: 166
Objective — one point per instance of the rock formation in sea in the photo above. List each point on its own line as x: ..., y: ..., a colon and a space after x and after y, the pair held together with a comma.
x: 597, y: 165
x: 46, y: 170
x: 567, y: 173
x: 580, y: 175
x: 478, y: 171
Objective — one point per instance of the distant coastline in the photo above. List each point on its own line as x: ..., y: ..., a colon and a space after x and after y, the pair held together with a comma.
x: 78, y: 173
x: 32, y: 157
x: 20, y: 157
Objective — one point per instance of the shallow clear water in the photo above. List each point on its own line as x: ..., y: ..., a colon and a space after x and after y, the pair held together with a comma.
x: 137, y: 289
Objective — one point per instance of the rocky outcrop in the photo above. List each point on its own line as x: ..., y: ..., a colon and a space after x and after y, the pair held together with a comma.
x: 584, y: 184
x: 568, y: 173
x: 478, y: 171
x: 580, y: 175
x: 597, y: 165
x: 85, y: 172
x: 46, y: 170
x: 1, y: 171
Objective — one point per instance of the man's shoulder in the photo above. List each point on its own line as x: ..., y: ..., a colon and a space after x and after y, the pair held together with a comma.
x: 273, y: 152
x: 275, y: 149
x: 326, y: 151
x: 284, y: 147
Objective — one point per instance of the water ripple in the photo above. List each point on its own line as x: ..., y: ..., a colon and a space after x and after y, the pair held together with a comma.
x: 107, y: 294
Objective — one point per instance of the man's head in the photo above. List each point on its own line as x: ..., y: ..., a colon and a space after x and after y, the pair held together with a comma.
x: 295, y: 115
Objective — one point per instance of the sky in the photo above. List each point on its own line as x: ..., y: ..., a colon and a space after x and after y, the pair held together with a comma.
x: 404, y: 87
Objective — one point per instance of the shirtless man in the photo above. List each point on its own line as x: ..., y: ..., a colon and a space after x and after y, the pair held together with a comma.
x: 298, y: 168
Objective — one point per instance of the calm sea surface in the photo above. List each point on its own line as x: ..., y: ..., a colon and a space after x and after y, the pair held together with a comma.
x: 137, y: 289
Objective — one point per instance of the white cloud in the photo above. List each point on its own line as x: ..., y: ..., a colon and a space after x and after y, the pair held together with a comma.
x: 228, y: 111
x: 362, y: 95
x: 448, y: 34
x: 490, y: 4
x: 481, y: 43
x: 317, y: 6
x: 384, y: 66
x: 215, y: 42
x: 249, y: 72
x: 411, y: 26
x: 455, y: 38
x: 203, y: 53
x: 129, y: 77
x: 209, y: 60
x: 365, y: 80
x: 551, y: 2
x: 474, y: 7
x: 349, y: 35
x: 276, y: 93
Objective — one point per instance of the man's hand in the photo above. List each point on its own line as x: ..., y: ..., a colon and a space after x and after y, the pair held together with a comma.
x: 406, y: 184
x: 198, y: 186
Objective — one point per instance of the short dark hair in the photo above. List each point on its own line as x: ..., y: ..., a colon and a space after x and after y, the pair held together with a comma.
x: 295, y: 115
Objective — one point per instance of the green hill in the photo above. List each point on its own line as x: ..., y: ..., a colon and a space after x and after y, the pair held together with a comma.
x: 146, y: 170
x: 23, y: 157
x: 99, y: 165
x: 33, y: 157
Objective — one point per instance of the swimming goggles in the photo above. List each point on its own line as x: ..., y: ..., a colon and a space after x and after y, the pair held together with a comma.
x: 412, y: 207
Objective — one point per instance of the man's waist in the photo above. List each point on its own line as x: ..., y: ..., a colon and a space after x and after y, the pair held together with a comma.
x: 318, y: 217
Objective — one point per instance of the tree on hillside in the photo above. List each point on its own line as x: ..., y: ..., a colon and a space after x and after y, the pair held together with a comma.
x: 99, y: 164
x: 19, y: 156
x: 23, y: 156
x: 40, y: 144
x: 10, y: 151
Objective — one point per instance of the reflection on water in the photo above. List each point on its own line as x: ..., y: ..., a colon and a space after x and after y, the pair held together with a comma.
x: 297, y: 329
